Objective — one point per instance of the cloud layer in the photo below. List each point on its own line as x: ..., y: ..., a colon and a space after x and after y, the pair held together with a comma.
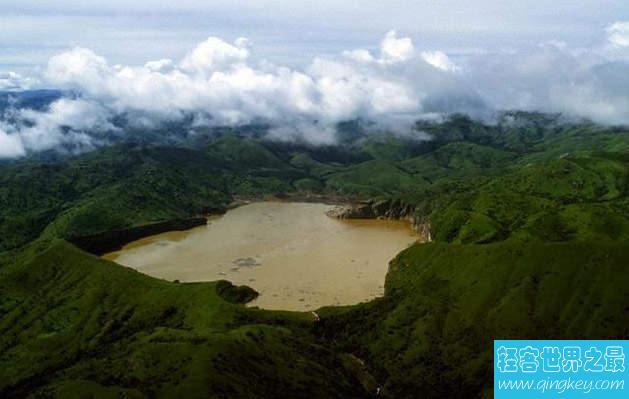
x: 218, y: 83
x: 217, y: 80
x: 14, y: 81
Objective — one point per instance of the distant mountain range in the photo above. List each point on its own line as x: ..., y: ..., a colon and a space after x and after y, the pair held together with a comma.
x: 32, y: 99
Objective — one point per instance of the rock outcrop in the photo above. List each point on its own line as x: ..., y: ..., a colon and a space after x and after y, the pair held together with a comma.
x: 384, y: 209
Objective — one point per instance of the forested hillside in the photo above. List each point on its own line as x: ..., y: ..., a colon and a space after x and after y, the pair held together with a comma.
x: 529, y: 218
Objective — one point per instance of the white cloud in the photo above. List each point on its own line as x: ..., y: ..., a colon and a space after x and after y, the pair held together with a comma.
x: 440, y: 60
x: 218, y: 83
x: 215, y: 55
x: 217, y: 78
x: 159, y: 65
x: 618, y: 34
x: 394, y: 49
x: 14, y: 81
x: 69, y: 125
x: 10, y: 145
x: 307, y: 132
x: 77, y: 114
x: 598, y: 93
x: 360, y: 55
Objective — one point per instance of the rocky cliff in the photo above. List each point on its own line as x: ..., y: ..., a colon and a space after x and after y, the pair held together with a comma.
x: 385, y: 209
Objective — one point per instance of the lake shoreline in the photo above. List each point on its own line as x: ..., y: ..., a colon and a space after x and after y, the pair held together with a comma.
x: 113, y: 240
x: 346, y: 207
x: 293, y: 253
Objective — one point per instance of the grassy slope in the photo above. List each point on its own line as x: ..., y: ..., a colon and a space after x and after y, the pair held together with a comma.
x: 114, y: 188
x: 127, y: 186
x: 445, y: 303
x: 564, y: 199
x: 552, y: 217
x: 73, y: 324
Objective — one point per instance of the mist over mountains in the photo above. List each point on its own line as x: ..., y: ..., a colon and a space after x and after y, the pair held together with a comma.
x: 217, y: 85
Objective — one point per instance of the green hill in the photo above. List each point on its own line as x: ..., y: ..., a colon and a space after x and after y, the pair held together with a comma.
x: 444, y: 305
x: 530, y: 221
x: 72, y: 325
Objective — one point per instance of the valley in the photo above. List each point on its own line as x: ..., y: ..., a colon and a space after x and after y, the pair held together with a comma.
x: 528, y: 219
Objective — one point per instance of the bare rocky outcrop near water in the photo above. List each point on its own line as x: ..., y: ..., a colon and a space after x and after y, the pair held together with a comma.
x: 384, y: 209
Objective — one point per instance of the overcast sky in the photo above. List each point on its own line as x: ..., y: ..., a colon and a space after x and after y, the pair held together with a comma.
x: 291, y: 32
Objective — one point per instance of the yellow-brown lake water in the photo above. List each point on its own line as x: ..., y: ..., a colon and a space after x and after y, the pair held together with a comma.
x: 293, y: 254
